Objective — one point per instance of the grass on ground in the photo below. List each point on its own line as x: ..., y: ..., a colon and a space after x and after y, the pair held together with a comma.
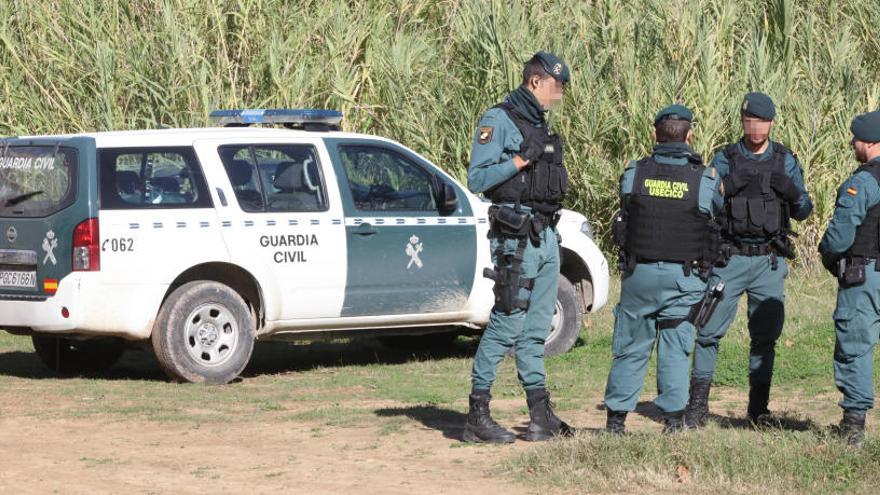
x: 361, y: 382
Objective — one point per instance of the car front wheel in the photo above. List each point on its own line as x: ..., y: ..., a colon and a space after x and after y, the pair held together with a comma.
x: 567, y: 320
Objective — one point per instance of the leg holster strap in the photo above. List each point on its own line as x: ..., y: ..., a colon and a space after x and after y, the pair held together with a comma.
x: 668, y: 324
x: 508, y: 278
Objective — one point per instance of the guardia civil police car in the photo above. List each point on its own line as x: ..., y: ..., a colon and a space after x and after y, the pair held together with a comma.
x: 201, y: 241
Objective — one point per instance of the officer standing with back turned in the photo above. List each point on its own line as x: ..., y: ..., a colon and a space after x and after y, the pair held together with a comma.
x: 764, y: 189
x: 517, y: 163
x: 850, y: 249
x: 668, y: 241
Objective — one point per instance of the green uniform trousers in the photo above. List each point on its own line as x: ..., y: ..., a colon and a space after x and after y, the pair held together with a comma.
x: 526, y: 329
x: 766, y: 292
x: 653, y: 292
x: 856, y: 327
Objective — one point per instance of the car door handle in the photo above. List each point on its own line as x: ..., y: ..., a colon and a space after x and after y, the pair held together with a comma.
x: 365, y: 229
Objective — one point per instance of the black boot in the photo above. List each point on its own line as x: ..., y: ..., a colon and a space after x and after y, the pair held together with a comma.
x: 673, y: 422
x: 759, y: 397
x: 698, y: 405
x: 852, y: 428
x: 543, y: 422
x: 616, y: 421
x: 480, y: 426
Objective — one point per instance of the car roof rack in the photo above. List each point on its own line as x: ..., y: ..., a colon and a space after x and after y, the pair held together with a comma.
x: 300, y: 118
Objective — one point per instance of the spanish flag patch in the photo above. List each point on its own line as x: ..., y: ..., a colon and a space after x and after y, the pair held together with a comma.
x: 852, y: 191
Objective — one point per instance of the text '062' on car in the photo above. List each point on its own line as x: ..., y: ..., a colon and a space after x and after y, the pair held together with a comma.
x: 201, y: 241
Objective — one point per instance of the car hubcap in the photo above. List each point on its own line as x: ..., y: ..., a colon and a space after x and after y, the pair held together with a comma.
x: 557, y: 322
x: 211, y: 334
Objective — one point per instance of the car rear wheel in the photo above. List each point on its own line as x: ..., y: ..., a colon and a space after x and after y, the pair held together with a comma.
x: 204, y: 333
x: 71, y: 356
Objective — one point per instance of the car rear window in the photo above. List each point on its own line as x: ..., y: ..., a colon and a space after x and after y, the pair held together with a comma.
x: 151, y: 178
x: 36, y: 181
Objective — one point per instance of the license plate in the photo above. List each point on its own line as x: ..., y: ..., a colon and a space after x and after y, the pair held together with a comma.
x: 18, y: 279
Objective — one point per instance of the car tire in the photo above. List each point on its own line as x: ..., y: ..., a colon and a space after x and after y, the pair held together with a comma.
x: 568, y: 316
x: 204, y: 333
x: 568, y: 319
x: 71, y: 356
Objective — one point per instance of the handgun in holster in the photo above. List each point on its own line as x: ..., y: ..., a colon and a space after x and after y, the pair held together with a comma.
x: 701, y: 312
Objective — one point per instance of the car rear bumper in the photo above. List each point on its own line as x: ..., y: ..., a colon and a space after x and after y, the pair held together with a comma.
x: 93, y: 308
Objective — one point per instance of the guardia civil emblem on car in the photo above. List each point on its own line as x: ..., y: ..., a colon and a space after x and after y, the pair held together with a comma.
x: 49, y: 245
x: 11, y: 234
x: 413, y: 248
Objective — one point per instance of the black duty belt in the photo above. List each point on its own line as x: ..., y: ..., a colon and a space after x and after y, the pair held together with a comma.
x: 752, y: 250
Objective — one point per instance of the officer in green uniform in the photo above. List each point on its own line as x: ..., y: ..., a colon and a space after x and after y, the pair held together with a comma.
x: 764, y: 189
x: 850, y: 248
x: 668, y: 240
x: 517, y: 163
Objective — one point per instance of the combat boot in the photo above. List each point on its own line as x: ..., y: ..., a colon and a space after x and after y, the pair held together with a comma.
x: 616, y: 422
x: 852, y: 428
x: 759, y: 397
x: 480, y: 427
x: 673, y: 422
x: 543, y: 422
x: 698, y: 404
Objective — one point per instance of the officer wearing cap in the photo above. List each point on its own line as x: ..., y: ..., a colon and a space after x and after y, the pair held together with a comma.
x: 668, y: 240
x: 517, y: 163
x: 764, y: 190
x: 849, y: 249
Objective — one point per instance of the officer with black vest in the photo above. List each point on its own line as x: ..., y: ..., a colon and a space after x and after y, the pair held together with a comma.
x: 669, y: 241
x: 850, y: 249
x: 517, y: 163
x: 764, y: 190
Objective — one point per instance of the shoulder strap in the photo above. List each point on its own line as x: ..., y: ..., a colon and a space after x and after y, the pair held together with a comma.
x: 781, y: 149
x: 873, y: 169
x: 730, y: 151
x: 512, y: 114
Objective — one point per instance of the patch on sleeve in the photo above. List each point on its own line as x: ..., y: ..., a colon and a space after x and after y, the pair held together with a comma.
x: 851, y: 191
x: 485, y: 135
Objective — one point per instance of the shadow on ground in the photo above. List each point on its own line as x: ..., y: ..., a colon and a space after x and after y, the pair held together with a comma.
x: 139, y: 363
x: 785, y: 420
x: 447, y: 421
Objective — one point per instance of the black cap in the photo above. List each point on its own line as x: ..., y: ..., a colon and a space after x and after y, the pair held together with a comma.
x: 758, y: 105
x: 554, y: 66
x: 866, y: 127
x: 675, y: 112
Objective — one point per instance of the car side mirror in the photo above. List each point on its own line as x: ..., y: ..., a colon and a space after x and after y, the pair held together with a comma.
x: 448, y: 198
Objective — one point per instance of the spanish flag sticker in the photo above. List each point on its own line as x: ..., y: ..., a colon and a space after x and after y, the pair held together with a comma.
x: 50, y: 285
x: 852, y: 191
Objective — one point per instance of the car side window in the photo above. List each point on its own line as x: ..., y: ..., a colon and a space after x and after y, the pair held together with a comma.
x: 275, y: 178
x: 381, y: 179
x: 150, y: 178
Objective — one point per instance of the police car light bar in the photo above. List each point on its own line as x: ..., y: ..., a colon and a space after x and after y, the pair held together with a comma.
x: 293, y: 118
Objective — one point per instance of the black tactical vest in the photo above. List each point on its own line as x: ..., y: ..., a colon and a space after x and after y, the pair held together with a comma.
x: 543, y: 183
x: 663, y: 217
x: 867, y: 241
x: 757, y: 210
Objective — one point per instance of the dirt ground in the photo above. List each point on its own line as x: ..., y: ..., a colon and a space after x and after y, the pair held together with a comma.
x: 110, y: 455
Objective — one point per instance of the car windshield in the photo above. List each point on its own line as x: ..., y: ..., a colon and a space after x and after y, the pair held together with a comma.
x: 36, y: 181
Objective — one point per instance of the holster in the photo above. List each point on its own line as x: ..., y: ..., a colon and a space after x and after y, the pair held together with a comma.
x: 851, y: 271
x: 508, y: 223
x: 701, y: 312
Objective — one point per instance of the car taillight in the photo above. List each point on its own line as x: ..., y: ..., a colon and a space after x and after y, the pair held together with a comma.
x: 86, y: 253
